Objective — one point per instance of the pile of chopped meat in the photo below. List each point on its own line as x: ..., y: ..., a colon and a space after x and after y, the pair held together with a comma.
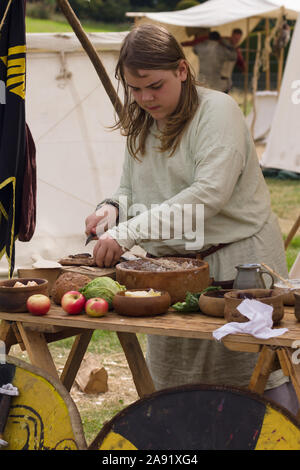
x: 166, y: 265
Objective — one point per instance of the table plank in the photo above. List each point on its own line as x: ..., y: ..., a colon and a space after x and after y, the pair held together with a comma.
x: 189, y: 325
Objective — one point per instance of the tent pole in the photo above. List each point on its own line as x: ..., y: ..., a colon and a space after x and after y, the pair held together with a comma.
x: 268, y: 83
x: 280, y: 68
x: 247, y: 69
x: 92, y: 53
x: 292, y: 232
x: 255, y: 80
x: 281, y: 55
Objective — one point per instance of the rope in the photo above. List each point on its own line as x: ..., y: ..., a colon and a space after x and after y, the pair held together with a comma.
x: 261, y: 59
x: 255, y: 80
x: 267, y: 46
x: 5, y: 15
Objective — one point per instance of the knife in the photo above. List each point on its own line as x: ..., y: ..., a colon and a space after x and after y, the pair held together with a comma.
x: 100, y: 229
x: 89, y: 238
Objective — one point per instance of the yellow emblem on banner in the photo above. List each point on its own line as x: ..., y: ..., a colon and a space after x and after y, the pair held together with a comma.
x: 16, y: 67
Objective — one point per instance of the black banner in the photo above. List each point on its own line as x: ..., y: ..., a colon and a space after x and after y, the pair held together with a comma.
x: 12, y: 124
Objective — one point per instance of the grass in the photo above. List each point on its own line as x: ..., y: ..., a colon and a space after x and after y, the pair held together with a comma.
x: 90, y: 419
x: 60, y: 25
x: 285, y: 199
x: 292, y: 251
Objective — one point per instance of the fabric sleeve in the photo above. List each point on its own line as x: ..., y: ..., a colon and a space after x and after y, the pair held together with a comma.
x: 218, y: 163
x: 123, y: 196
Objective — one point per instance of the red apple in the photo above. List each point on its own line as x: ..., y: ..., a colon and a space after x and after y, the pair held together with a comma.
x: 96, y: 307
x: 73, y: 302
x: 38, y: 304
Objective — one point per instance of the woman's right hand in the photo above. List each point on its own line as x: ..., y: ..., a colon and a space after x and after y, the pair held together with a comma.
x: 100, y: 220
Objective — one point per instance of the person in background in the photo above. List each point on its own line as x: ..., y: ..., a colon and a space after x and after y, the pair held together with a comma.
x: 228, y: 66
x: 212, y: 54
x: 188, y: 147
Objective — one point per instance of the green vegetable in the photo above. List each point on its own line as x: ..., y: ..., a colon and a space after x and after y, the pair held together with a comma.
x: 104, y: 287
x: 191, y: 303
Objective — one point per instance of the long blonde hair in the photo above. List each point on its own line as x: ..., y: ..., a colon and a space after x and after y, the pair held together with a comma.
x: 151, y: 47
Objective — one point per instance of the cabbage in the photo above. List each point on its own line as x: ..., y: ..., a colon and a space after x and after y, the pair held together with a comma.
x: 104, y: 287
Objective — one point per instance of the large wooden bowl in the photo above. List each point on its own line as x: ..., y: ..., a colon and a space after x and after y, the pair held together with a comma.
x: 13, y: 299
x: 266, y: 296
x: 177, y: 283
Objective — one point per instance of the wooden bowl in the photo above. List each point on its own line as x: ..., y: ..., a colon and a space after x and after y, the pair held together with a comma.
x: 288, y: 293
x: 177, y: 282
x: 50, y: 274
x: 266, y: 296
x: 297, y: 305
x: 212, y: 303
x: 13, y: 299
x: 141, y: 306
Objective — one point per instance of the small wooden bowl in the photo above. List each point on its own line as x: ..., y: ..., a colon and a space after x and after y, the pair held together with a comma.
x: 13, y: 299
x: 212, y: 303
x: 288, y: 293
x: 50, y: 274
x: 141, y: 306
x: 297, y: 305
x: 266, y: 296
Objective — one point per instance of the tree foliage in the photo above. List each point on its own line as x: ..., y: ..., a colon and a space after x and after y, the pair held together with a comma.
x: 113, y: 11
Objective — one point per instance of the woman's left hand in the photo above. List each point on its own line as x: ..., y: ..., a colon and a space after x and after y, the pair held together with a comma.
x: 107, y: 251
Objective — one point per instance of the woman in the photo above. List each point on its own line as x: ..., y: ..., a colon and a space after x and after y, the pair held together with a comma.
x: 187, y: 147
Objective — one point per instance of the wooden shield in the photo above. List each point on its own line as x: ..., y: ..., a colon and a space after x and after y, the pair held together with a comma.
x: 43, y: 416
x: 200, y: 417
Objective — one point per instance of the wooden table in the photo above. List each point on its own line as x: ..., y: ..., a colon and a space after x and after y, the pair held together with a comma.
x: 34, y: 333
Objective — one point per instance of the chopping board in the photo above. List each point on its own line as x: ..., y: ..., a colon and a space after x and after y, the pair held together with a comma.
x: 83, y: 263
x: 81, y: 259
x: 90, y: 271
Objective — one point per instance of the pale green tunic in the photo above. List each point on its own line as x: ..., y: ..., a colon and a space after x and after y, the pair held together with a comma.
x: 215, y: 165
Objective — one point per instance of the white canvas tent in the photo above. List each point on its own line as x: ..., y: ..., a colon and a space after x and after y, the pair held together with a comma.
x: 223, y: 15
x: 283, y: 145
x: 78, y: 158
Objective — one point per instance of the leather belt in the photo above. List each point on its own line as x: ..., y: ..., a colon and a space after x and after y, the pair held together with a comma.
x: 199, y: 255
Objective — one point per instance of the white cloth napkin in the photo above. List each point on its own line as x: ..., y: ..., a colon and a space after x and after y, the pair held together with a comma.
x: 260, y: 324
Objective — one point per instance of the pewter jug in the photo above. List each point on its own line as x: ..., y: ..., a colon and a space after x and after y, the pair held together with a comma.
x: 250, y: 276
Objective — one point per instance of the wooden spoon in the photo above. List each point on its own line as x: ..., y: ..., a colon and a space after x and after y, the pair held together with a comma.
x: 287, y: 283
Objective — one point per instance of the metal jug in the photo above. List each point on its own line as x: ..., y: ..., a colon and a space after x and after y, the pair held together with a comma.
x: 250, y: 276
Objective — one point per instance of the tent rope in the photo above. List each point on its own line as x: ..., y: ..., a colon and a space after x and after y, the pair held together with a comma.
x: 255, y: 78
x: 64, y: 74
x: 267, y: 45
x: 5, y: 15
x: 261, y: 59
